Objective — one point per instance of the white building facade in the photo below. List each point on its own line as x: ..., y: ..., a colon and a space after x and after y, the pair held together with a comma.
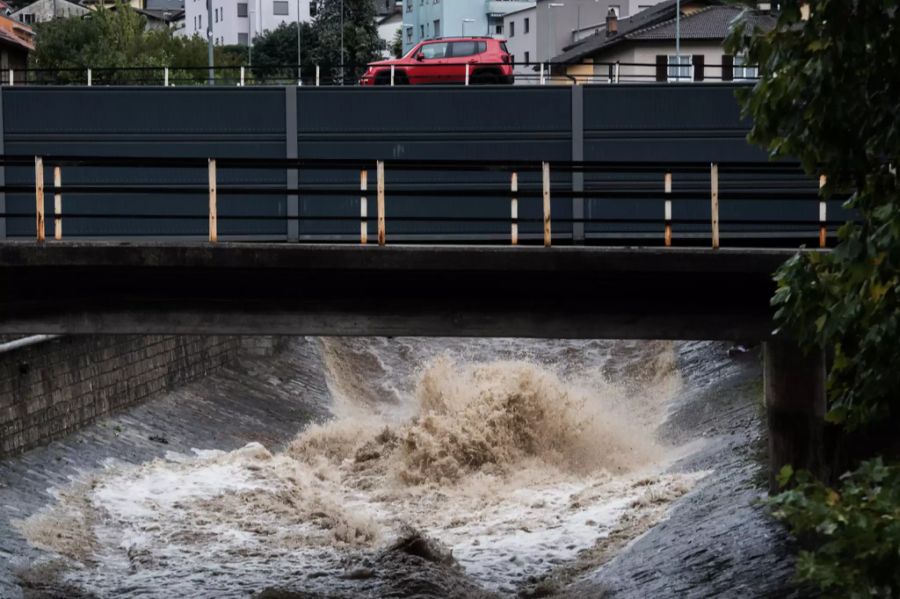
x: 242, y: 21
x: 429, y: 19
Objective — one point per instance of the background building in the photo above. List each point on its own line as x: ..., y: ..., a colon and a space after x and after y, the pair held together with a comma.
x: 428, y: 19
x: 240, y: 21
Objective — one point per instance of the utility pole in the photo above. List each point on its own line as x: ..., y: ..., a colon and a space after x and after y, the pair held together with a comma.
x: 299, y: 55
x: 342, y: 42
x: 209, y: 39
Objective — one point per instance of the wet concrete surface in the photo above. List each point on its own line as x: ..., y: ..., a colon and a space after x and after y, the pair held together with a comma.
x: 254, y: 399
x: 718, y: 541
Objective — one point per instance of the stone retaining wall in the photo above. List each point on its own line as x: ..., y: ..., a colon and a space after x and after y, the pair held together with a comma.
x: 50, y: 389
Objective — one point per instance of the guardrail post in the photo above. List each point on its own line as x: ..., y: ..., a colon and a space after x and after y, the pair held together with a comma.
x: 668, y: 210
x: 39, y: 196
x: 89, y: 78
x: 714, y: 197
x: 547, y: 233
x: 467, y: 73
x: 542, y: 74
x: 57, y: 203
x: 514, y: 207
x: 317, y: 75
x: 616, y: 72
x: 213, y: 224
x: 165, y: 76
x: 380, y: 190
x: 823, y: 214
x: 363, y: 207
x: 393, y: 68
x: 12, y: 77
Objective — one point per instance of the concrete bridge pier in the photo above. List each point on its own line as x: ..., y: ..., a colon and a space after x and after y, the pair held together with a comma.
x: 795, y: 406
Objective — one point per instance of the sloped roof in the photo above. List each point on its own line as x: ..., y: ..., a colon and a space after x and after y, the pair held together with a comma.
x: 17, y: 34
x: 706, y: 20
x: 712, y: 22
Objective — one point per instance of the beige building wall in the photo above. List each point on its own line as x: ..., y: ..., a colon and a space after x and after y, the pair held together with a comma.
x: 630, y: 55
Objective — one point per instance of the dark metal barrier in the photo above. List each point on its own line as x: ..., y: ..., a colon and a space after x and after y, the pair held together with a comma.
x: 519, y: 201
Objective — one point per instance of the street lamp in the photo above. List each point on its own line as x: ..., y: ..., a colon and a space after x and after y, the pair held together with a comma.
x: 464, y: 21
x: 550, y: 28
x: 342, y: 42
x: 299, y: 55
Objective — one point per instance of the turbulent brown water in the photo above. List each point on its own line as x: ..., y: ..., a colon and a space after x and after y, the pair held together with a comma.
x: 507, y: 459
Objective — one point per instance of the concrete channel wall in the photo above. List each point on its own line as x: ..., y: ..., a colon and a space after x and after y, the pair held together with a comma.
x: 53, y: 387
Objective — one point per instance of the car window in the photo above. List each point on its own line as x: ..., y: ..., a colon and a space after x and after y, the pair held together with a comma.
x: 504, y: 48
x: 432, y: 51
x: 467, y: 48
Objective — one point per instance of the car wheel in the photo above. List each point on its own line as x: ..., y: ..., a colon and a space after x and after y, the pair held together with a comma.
x: 484, y: 79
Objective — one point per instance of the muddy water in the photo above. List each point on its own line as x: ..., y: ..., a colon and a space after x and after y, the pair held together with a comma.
x: 448, y: 468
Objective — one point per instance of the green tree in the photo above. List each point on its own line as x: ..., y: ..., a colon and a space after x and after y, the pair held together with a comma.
x: 275, y: 52
x: 360, y: 37
x: 829, y: 95
x: 111, y: 40
x: 397, y: 44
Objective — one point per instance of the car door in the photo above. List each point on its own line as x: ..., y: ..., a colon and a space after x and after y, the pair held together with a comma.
x: 461, y: 54
x: 430, y: 63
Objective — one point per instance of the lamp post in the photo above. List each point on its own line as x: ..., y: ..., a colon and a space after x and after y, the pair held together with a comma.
x: 209, y: 41
x: 464, y: 21
x: 678, y: 36
x: 342, y: 42
x: 299, y: 55
x: 550, y: 6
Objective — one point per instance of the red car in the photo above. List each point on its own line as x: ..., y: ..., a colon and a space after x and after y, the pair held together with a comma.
x: 445, y: 60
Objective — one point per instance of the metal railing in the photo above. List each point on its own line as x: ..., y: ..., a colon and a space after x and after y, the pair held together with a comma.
x: 659, y: 192
x: 460, y: 73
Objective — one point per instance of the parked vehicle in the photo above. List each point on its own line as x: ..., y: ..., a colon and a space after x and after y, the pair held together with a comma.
x: 446, y: 61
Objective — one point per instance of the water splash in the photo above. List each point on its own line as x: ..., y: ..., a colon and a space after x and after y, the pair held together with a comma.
x: 515, y: 466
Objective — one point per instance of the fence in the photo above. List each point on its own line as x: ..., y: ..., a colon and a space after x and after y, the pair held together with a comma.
x: 517, y: 198
x: 461, y: 73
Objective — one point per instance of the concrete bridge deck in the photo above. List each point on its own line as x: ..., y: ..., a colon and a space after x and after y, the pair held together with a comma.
x: 230, y: 288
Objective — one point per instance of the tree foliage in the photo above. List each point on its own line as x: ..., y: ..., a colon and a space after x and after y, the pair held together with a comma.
x: 829, y: 95
x: 856, y: 530
x: 360, y: 40
x: 117, y: 38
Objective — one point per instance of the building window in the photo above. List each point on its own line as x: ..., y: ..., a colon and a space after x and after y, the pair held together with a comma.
x: 280, y: 7
x: 437, y: 28
x: 28, y: 18
x: 243, y: 39
x: 512, y: 29
x: 743, y: 70
x: 409, y: 5
x: 527, y: 24
x: 528, y: 58
x: 615, y: 9
x: 242, y: 9
x: 421, y: 31
x: 680, y: 67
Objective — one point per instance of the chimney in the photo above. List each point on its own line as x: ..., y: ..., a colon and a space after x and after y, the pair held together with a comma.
x: 612, y: 23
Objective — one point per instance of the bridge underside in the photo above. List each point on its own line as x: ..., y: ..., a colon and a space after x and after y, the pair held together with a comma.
x: 115, y: 288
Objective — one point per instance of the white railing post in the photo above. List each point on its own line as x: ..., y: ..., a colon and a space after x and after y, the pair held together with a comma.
x: 165, y: 76
x: 668, y: 210
x: 89, y: 77
x: 714, y: 208
x: 382, y: 235
x: 213, y: 211
x: 363, y: 207
x: 547, y: 233
x: 542, y: 73
x: 242, y: 76
x: 616, y: 72
x: 12, y: 77
x: 57, y: 203
x: 392, y: 75
x: 823, y: 214
x: 467, y: 73
x: 39, y: 197
x: 514, y: 207
x: 317, y: 75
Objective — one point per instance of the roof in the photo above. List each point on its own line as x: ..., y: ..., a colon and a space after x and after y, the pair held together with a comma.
x: 702, y: 19
x: 16, y: 34
x: 166, y: 16
x: 712, y: 22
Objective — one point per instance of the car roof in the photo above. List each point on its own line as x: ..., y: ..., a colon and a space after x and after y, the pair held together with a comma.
x: 456, y: 38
